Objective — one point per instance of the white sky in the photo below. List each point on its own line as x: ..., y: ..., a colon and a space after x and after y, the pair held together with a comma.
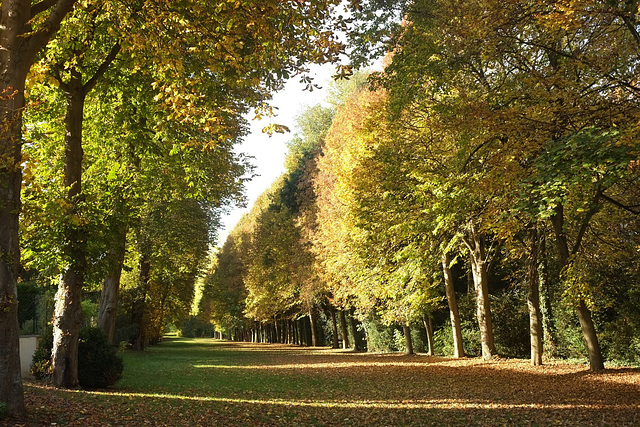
x: 269, y: 152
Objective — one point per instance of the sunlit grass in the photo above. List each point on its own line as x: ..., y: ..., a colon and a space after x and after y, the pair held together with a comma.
x: 208, y: 382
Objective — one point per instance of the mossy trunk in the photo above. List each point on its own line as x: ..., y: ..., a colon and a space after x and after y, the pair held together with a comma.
x: 408, y: 342
x: 454, y: 312
x: 343, y: 330
x: 335, y: 343
x: 68, y: 310
x: 596, y: 361
x: 533, y: 301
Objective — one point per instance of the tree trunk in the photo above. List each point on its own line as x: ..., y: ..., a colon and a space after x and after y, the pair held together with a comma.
x: 429, y: 330
x: 108, y: 307
x: 335, y: 343
x: 354, y: 333
x: 138, y: 315
x: 296, y: 335
x: 550, y: 332
x: 68, y: 311
x: 596, y: 361
x: 533, y: 301
x: 19, y: 49
x: 454, y: 313
x: 343, y: 330
x: 408, y: 342
x: 478, y: 257
x: 11, y: 105
x: 312, y: 326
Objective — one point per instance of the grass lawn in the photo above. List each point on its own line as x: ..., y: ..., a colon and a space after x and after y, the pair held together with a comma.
x: 205, y: 382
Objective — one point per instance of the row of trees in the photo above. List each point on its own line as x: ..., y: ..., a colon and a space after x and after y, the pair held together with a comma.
x: 500, y: 142
x: 118, y: 123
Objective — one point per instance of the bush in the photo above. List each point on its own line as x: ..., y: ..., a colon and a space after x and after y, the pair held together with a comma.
x: 99, y: 364
x: 4, y: 410
x: 41, y: 361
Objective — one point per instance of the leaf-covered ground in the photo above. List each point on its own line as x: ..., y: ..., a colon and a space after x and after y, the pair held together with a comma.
x: 205, y: 382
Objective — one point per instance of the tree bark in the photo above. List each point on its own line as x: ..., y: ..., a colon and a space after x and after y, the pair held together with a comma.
x: 68, y: 310
x: 454, y: 313
x: 475, y: 243
x: 596, y: 361
x: 429, y: 330
x: 408, y: 342
x: 108, y: 307
x: 550, y: 332
x: 354, y: 332
x: 11, y: 104
x: 335, y: 343
x: 533, y: 301
x: 312, y: 326
x: 343, y: 330
x: 18, y: 49
x: 138, y: 315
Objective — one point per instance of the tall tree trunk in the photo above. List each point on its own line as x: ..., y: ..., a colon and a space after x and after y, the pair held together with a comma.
x: 429, y: 330
x: 11, y: 105
x: 408, y: 342
x: 354, y: 332
x: 533, y: 301
x: 550, y: 332
x: 294, y: 329
x: 68, y: 311
x: 138, y: 315
x: 343, y: 330
x: 108, y: 307
x: 312, y: 326
x: 454, y: 313
x: 19, y: 46
x: 308, y: 333
x: 335, y: 343
x: 596, y: 361
x: 478, y: 257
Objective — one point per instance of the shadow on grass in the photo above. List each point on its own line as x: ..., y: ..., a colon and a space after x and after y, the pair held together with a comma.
x: 110, y: 408
x: 206, y: 382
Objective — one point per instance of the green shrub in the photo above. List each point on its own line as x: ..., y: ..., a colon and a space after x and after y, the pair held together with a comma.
x: 4, y: 410
x: 41, y: 362
x: 99, y: 364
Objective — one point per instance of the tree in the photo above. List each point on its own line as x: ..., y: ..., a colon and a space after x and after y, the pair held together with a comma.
x: 215, y: 72
x: 88, y: 31
x: 26, y: 29
x: 525, y: 85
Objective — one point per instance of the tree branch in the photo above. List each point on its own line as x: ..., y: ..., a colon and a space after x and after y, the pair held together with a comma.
x: 90, y: 84
x: 585, y: 223
x: 41, y: 7
x: 620, y: 205
x: 55, y: 72
x: 40, y: 38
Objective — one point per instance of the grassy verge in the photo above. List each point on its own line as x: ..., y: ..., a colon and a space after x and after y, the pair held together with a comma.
x: 207, y: 382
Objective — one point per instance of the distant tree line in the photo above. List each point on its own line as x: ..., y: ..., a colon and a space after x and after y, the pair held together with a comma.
x: 480, y: 194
